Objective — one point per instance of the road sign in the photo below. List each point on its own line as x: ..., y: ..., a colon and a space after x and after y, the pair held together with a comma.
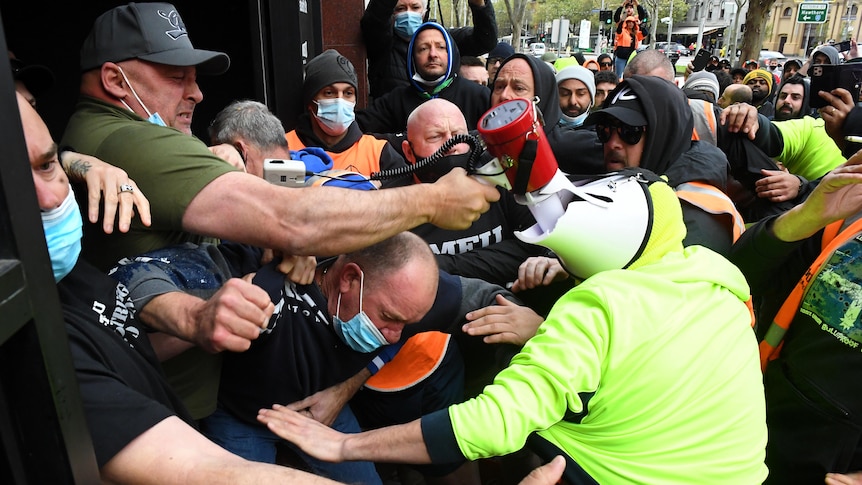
x: 812, y: 13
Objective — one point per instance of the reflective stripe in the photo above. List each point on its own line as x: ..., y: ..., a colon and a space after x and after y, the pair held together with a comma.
x: 420, y: 356
x: 712, y: 200
x: 704, y: 121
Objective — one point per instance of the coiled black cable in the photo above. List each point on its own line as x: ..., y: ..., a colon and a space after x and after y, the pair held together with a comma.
x: 476, y: 145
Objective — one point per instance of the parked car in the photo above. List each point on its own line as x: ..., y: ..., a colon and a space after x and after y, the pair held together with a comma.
x: 672, y: 55
x: 672, y: 47
x: 537, y: 49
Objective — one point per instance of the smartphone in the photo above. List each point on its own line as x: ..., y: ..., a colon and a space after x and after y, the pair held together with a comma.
x: 843, y: 46
x: 287, y: 173
x: 701, y: 59
x: 826, y: 77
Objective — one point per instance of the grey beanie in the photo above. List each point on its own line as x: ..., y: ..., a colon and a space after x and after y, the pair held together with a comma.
x: 703, y: 81
x: 329, y: 67
x: 581, y: 74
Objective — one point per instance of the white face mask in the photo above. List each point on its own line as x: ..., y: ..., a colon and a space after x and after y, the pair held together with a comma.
x: 153, y: 118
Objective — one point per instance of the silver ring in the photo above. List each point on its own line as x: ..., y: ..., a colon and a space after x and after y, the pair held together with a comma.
x: 126, y: 188
x: 834, y: 110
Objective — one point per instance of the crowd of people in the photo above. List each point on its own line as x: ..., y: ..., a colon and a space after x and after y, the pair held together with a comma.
x: 680, y: 317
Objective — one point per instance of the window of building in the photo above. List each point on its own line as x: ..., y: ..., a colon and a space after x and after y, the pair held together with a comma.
x: 788, y: 12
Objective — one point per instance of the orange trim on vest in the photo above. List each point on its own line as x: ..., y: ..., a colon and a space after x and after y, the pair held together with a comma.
x: 771, y: 344
x: 420, y: 356
x: 712, y: 200
x: 363, y: 157
x: 708, y: 118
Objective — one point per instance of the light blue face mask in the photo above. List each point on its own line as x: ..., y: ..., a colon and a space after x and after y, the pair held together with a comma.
x: 406, y: 24
x: 569, y: 122
x: 359, y: 333
x: 63, y: 234
x: 153, y: 118
x: 335, y: 115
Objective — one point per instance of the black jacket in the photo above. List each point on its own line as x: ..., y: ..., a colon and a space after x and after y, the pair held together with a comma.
x: 387, y: 52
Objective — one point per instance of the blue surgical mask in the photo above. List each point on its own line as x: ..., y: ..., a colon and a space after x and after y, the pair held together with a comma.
x: 153, y: 118
x: 406, y: 24
x: 63, y: 234
x: 335, y: 115
x: 359, y: 333
x: 569, y: 122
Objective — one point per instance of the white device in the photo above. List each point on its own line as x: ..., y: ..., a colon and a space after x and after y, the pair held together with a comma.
x: 287, y: 173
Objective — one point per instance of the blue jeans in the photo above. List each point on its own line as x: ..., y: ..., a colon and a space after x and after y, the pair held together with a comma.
x: 620, y: 65
x: 257, y: 443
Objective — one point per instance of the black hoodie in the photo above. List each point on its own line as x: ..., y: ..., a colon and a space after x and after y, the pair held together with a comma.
x: 670, y: 151
x: 578, y: 151
x: 388, y: 113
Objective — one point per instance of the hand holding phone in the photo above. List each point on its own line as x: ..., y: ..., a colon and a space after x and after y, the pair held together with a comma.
x: 701, y: 59
x: 843, y: 46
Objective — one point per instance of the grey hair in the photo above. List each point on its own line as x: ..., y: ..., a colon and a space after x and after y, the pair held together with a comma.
x: 647, y: 63
x: 250, y: 121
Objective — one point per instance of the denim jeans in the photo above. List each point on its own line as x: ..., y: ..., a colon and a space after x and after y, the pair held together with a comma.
x: 257, y: 443
x: 620, y: 65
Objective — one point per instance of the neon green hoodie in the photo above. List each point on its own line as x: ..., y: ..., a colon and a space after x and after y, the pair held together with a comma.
x: 646, y: 375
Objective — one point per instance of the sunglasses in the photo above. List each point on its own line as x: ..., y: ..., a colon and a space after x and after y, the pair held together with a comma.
x: 494, y: 60
x: 631, y: 135
x: 605, y: 64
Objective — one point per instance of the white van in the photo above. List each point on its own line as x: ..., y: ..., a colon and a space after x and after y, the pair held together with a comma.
x: 537, y: 49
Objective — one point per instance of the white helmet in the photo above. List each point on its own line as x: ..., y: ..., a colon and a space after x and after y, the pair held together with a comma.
x: 606, y: 224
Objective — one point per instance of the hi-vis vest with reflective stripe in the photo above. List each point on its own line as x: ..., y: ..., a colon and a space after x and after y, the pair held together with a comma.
x: 704, y: 121
x: 420, y: 356
x: 362, y: 157
x: 711, y: 200
x: 833, y: 238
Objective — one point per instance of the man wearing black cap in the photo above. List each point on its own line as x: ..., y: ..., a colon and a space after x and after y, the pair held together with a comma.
x: 329, y: 121
x: 388, y: 25
x: 138, y: 94
x: 647, y: 122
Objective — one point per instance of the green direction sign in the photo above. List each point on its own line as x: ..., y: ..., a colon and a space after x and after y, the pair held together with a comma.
x: 812, y: 13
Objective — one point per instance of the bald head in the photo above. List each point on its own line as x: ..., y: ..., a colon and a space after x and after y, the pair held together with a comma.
x: 430, y: 125
x: 650, y: 62
x: 735, y: 93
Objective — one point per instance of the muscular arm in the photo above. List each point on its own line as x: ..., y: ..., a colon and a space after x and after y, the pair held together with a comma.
x: 326, y: 220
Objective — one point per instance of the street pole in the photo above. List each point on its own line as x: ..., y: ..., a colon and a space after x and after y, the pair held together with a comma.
x: 670, y: 23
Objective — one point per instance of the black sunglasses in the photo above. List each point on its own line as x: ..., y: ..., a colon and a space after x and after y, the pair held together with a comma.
x: 631, y: 135
x: 494, y: 60
x: 605, y: 64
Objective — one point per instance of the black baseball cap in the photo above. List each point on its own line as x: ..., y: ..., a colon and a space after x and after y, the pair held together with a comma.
x: 622, y: 104
x: 152, y: 32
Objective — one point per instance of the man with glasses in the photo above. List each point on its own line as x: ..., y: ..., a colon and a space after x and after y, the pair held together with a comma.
x: 496, y: 57
x: 646, y: 122
x: 606, y: 62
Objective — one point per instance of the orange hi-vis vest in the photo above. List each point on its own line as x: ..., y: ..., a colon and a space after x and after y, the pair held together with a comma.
x: 833, y: 238
x: 712, y: 200
x: 420, y: 356
x: 704, y: 121
x: 363, y: 157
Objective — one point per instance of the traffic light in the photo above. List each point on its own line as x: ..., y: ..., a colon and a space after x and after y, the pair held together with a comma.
x: 606, y: 16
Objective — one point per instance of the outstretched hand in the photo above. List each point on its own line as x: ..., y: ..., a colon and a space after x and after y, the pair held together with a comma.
x: 312, y: 437
x: 505, y: 322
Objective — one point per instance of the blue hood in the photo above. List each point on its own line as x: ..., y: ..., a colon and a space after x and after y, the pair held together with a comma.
x: 452, y: 64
